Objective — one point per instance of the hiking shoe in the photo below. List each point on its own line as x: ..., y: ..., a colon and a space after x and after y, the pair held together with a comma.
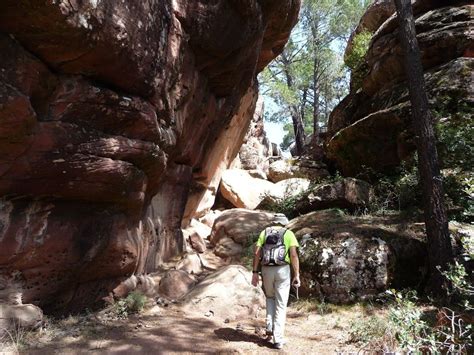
x: 278, y: 345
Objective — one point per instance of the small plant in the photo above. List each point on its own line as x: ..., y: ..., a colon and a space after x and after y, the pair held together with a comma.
x: 133, y: 303
x: 397, y: 192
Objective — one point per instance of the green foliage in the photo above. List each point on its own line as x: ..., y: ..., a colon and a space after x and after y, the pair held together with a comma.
x: 133, y: 303
x: 456, y: 143
x: 415, y: 334
x: 405, y: 318
x: 360, y: 44
x: 414, y: 328
x: 399, y: 191
x: 356, y: 58
x: 461, y: 287
x: 308, y: 79
x: 459, y: 197
x: 455, y: 134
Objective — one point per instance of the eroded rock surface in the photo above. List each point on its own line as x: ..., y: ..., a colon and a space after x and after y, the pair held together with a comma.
x: 345, y: 258
x: 371, y: 127
x: 347, y: 193
x: 242, y: 190
x: 115, y: 119
x: 296, y: 168
x: 227, y: 294
x: 243, y: 226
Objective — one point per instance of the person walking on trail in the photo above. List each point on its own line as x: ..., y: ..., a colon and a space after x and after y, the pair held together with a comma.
x: 276, y: 250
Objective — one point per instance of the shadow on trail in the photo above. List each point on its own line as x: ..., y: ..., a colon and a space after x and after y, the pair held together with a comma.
x: 234, y: 335
x: 165, y: 335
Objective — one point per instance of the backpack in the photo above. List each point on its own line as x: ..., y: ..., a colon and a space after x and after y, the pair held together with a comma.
x: 273, y: 250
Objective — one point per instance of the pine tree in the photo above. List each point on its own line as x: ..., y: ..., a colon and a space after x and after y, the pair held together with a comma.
x: 440, y: 252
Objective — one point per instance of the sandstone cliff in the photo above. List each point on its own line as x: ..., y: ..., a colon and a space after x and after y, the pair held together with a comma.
x: 371, y: 126
x: 114, y: 119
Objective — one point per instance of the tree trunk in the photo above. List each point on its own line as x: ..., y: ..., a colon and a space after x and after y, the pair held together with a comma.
x: 299, y: 131
x: 315, y: 104
x: 440, y: 252
x: 295, y: 116
x: 314, y: 33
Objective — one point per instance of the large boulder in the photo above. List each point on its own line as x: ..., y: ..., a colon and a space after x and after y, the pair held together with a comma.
x: 116, y: 121
x: 226, y: 247
x: 243, y: 190
x: 345, y: 258
x: 283, y: 190
x: 26, y: 316
x: 371, y: 128
x: 347, y: 193
x: 283, y: 169
x: 13, y: 313
x: 243, y: 226
x: 191, y: 264
x: 226, y: 294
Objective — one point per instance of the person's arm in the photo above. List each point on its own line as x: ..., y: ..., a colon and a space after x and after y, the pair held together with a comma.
x: 295, y: 264
x: 256, y: 260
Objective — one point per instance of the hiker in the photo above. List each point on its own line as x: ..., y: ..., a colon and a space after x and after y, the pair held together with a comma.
x: 275, y: 250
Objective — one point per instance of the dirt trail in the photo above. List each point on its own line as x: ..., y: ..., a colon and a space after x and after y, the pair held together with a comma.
x: 168, y: 330
x: 172, y: 331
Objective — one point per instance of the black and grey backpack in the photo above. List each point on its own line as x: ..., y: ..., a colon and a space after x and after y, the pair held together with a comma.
x: 273, y: 250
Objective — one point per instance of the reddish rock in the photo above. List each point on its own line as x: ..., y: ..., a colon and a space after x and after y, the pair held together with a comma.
x: 116, y: 120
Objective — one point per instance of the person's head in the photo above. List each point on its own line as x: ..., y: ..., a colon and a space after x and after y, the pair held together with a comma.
x: 279, y: 219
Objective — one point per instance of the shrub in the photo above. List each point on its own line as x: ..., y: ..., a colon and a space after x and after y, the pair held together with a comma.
x: 451, y: 333
x: 399, y: 191
x: 133, y: 303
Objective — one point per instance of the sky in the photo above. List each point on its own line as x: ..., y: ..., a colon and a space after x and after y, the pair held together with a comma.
x: 274, y: 131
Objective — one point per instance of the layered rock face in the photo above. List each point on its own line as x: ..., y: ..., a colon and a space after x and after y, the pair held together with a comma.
x: 372, y: 126
x: 114, y: 118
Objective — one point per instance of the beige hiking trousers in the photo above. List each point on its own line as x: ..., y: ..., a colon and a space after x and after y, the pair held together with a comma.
x: 276, y: 285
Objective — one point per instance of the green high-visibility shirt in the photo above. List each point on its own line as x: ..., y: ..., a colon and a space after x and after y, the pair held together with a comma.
x: 289, y: 240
